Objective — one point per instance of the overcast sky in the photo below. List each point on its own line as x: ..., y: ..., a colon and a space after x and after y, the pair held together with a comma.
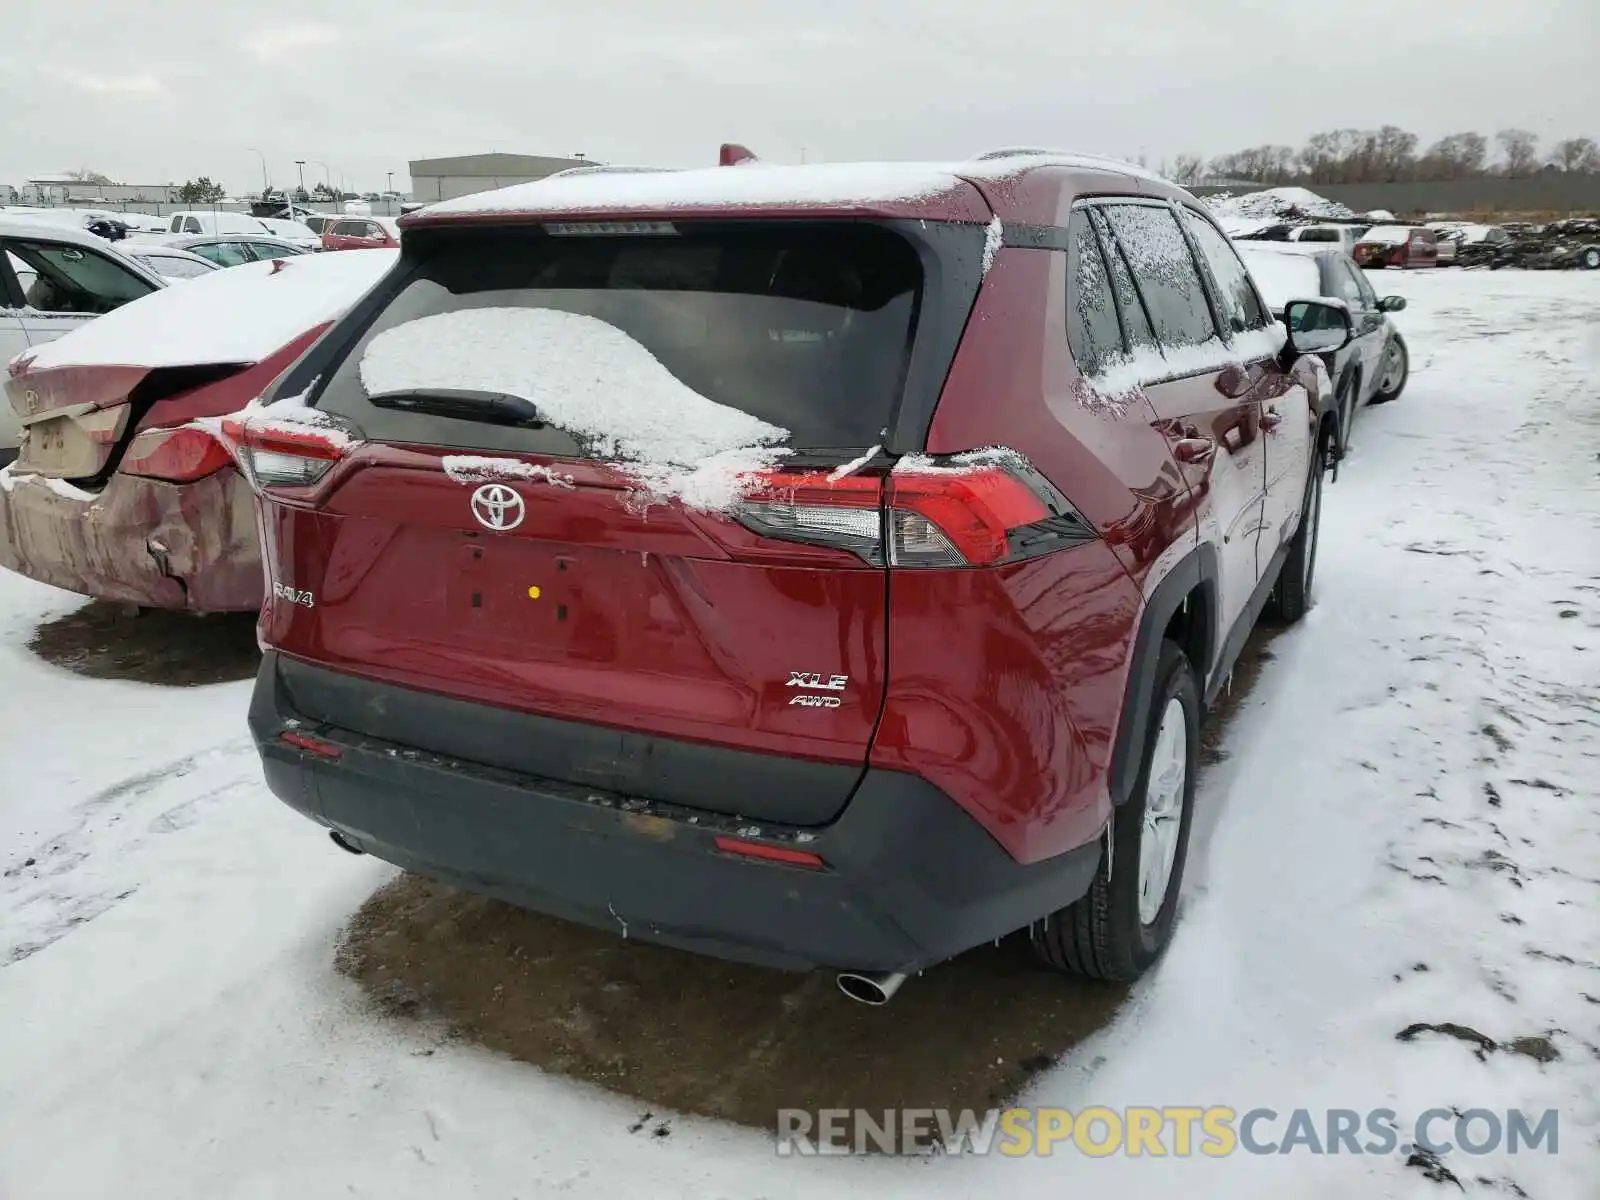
x: 363, y: 86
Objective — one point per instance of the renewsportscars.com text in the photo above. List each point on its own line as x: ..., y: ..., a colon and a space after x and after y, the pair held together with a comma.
x: 1168, y: 1131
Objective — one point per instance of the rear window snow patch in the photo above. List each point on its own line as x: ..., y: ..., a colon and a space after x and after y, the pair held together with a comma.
x: 477, y: 468
x: 591, y: 379
x: 966, y: 460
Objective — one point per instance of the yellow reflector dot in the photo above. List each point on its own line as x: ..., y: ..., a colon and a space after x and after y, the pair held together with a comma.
x: 533, y: 592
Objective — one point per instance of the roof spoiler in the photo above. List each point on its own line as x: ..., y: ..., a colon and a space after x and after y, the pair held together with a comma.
x: 733, y: 155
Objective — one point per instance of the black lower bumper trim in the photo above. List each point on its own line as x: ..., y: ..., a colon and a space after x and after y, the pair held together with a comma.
x: 910, y: 877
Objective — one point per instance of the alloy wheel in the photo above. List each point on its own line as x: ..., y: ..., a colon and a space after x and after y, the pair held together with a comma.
x: 1163, y: 810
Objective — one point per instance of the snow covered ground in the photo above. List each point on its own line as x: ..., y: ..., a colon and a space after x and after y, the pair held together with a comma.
x: 1406, y: 830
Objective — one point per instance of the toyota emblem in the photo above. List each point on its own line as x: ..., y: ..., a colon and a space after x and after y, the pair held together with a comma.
x: 497, y: 507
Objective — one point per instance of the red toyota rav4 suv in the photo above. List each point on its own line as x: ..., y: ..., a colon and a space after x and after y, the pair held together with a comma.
x: 1018, y: 457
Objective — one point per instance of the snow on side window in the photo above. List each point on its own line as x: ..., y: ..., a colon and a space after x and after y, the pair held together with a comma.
x: 1240, y: 305
x: 1164, y: 272
x: 1135, y: 324
x: 1092, y: 329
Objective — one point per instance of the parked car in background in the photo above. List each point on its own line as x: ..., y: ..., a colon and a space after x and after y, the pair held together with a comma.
x: 214, y: 221
x: 1373, y: 367
x: 771, y: 577
x: 1396, y: 246
x: 1446, y: 245
x: 170, y: 262
x: 122, y: 490
x: 1571, y: 243
x: 232, y: 250
x: 1469, y: 244
x: 297, y: 233
x: 54, y: 278
x: 361, y: 233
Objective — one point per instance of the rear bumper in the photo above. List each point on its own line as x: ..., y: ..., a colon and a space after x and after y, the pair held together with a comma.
x: 910, y: 879
x: 139, y: 541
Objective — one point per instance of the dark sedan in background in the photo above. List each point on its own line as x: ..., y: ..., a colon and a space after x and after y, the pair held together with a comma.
x: 1373, y: 368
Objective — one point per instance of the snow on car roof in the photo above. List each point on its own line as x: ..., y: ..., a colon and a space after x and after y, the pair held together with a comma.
x: 765, y: 185
x: 241, y: 315
x: 753, y: 184
x: 58, y: 231
x: 1281, y: 274
x: 1388, y: 235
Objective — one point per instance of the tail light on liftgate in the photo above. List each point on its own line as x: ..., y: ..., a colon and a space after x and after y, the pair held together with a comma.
x: 179, y: 455
x: 282, y: 452
x: 969, y: 510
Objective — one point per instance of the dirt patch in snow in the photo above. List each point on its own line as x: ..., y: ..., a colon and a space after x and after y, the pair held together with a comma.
x: 106, y: 641
x: 680, y: 1032
x: 686, y: 1033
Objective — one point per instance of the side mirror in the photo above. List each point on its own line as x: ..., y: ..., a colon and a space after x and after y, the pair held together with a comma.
x: 1317, y: 327
x: 1391, y: 304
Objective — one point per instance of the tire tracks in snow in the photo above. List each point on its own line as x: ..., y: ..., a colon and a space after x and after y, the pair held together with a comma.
x: 86, y: 869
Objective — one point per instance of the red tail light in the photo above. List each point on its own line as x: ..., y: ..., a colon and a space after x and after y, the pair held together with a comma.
x: 282, y: 452
x: 778, y: 854
x: 311, y: 745
x: 970, y: 510
x: 179, y: 455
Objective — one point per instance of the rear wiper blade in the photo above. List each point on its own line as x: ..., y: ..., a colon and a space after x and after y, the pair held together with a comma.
x: 465, y: 404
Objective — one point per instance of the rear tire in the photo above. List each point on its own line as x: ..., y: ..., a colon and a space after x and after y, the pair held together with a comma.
x: 1123, y: 923
x: 1291, y: 598
x: 1394, y: 371
x: 1591, y: 259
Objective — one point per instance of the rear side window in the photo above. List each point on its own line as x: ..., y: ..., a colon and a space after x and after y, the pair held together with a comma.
x: 804, y: 326
x: 1345, y: 285
x: 174, y: 267
x: 1164, y: 271
x: 1135, y: 321
x: 72, y: 279
x: 1241, y: 308
x: 1319, y: 235
x: 1092, y: 328
x: 191, y: 225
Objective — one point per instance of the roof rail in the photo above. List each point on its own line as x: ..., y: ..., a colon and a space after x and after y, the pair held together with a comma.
x: 1066, y: 158
x: 609, y: 169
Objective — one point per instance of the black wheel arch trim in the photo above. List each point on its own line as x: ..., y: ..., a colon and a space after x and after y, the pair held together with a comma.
x: 1196, y: 574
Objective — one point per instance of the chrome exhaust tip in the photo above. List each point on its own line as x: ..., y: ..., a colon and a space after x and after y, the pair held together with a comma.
x: 344, y: 843
x: 876, y: 988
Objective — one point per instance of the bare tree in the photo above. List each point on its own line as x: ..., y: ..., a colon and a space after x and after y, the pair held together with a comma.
x: 1578, y: 156
x: 84, y: 175
x: 1520, y: 150
x: 1187, y: 169
x: 1458, y: 156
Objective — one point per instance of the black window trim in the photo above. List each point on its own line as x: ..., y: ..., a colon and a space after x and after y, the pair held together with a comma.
x: 1212, y: 285
x: 1204, y: 272
x: 12, y: 299
x: 1105, y: 266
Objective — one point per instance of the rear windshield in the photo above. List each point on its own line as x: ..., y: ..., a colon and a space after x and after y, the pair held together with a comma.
x: 805, y: 326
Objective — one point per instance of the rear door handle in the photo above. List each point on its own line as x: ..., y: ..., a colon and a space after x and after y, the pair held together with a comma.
x: 1271, y: 419
x: 1194, y: 450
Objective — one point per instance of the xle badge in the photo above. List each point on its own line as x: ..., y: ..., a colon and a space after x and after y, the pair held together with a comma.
x: 813, y: 682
